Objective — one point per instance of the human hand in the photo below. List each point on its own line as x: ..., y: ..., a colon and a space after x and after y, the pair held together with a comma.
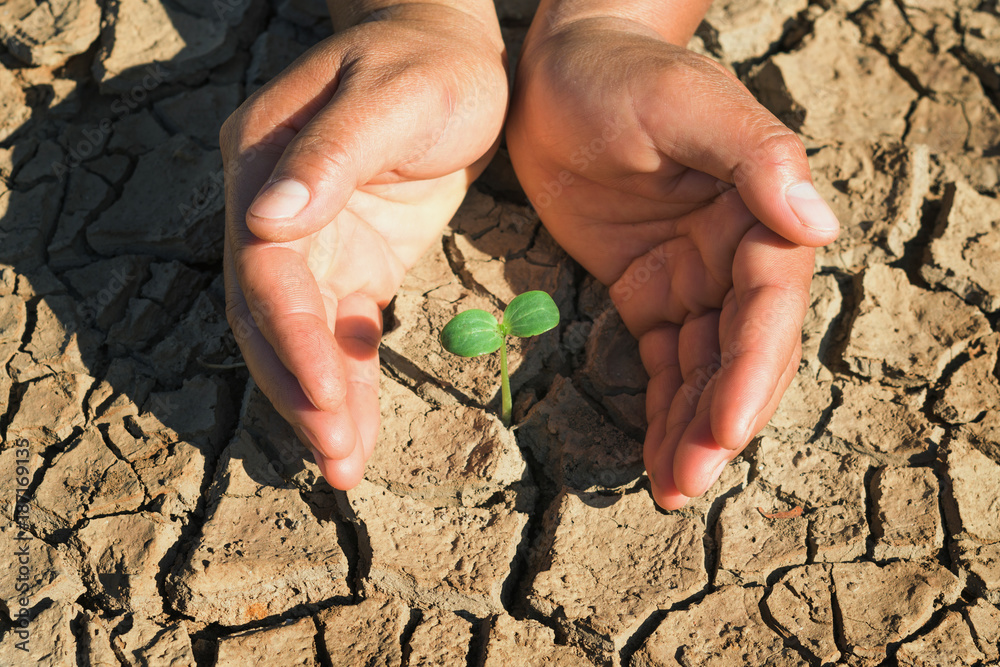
x: 660, y: 173
x: 340, y: 173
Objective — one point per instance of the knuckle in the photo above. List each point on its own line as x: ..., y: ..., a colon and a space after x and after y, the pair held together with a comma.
x: 772, y: 147
x: 228, y: 132
x: 238, y: 316
x: 242, y: 264
x: 253, y: 127
x: 778, y: 144
x: 706, y: 65
x: 318, y: 154
x: 233, y: 313
x: 305, y: 333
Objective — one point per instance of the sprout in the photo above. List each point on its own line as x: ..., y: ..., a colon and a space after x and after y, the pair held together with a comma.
x: 475, y: 332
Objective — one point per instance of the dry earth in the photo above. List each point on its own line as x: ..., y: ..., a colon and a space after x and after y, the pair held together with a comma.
x: 167, y: 516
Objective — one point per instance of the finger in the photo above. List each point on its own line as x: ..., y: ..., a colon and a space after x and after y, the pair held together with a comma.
x: 662, y: 487
x: 343, y: 474
x: 697, y: 353
x: 359, y: 328
x: 704, y: 118
x: 763, y: 332
x: 355, y: 137
x: 688, y: 274
x: 375, y: 121
x: 698, y: 458
x: 658, y: 350
x: 334, y: 433
x: 260, y: 271
x: 285, y: 302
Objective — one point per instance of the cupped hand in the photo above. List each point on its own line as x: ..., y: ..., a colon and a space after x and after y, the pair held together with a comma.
x: 340, y: 173
x: 660, y: 173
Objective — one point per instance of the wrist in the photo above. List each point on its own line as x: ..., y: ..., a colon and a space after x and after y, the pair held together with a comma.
x: 671, y: 20
x: 470, y: 15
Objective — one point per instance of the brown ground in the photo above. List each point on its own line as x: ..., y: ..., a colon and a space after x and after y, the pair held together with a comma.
x: 171, y: 519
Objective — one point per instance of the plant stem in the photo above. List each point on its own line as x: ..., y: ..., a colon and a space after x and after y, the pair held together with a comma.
x: 504, y: 386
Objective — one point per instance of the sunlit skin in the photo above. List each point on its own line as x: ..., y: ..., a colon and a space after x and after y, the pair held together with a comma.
x: 671, y: 183
x: 386, y: 124
x: 652, y: 166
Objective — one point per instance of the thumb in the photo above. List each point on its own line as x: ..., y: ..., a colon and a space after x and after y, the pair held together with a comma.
x: 365, y: 129
x: 712, y: 123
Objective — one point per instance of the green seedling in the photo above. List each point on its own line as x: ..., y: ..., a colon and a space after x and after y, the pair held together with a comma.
x: 473, y: 333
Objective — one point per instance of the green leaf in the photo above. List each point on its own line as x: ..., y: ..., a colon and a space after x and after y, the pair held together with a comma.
x: 472, y: 333
x: 530, y: 314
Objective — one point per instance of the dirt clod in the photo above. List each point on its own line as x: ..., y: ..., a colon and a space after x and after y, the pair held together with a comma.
x: 172, y: 517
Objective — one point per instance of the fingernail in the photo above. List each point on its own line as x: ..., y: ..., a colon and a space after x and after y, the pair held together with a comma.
x: 281, y: 199
x: 812, y: 210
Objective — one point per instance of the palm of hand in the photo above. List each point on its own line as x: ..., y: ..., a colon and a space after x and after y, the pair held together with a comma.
x: 677, y: 266
x: 715, y: 298
x: 354, y: 265
x: 368, y: 248
x: 304, y: 294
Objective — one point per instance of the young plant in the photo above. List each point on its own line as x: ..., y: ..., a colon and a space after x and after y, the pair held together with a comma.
x: 473, y: 333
